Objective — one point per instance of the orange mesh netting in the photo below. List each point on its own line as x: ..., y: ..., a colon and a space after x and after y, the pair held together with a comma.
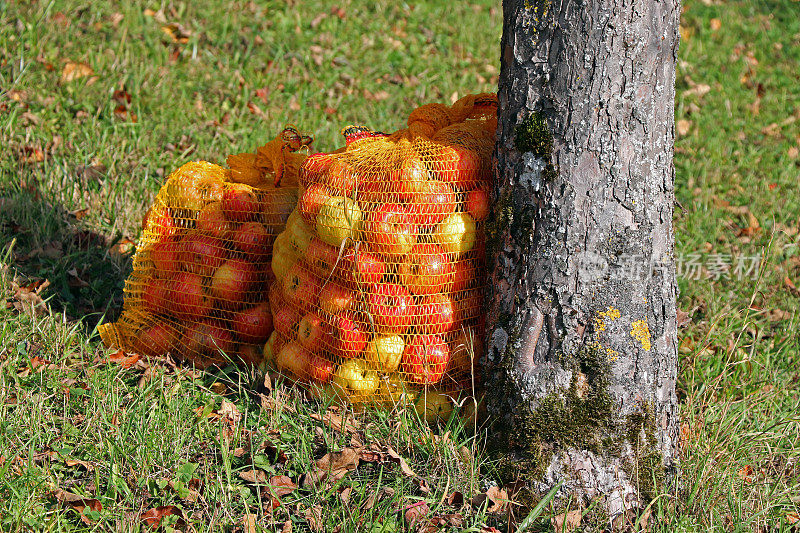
x: 380, y: 272
x: 202, y: 267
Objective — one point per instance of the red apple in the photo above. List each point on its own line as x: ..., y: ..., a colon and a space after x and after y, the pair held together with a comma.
x: 254, y: 240
x: 166, y: 256
x: 212, y: 221
x: 458, y: 166
x: 202, y: 254
x: 349, y: 336
x: 427, y: 269
x: 466, y: 275
x: 251, y: 354
x: 208, y: 336
x: 253, y: 325
x: 294, y: 359
x: 312, y: 331
x: 341, y: 178
x: 285, y: 321
x: 477, y: 204
x: 321, y: 257
x: 240, y: 203
x: 233, y: 281
x: 301, y: 288
x: 319, y: 368
x: 436, y: 313
x: 335, y: 298
x: 391, y: 230
x: 314, y: 168
x: 470, y: 305
x: 361, y: 267
x: 155, y: 340
x: 311, y: 200
x: 425, y: 359
x: 391, y: 307
x: 160, y: 224
x: 154, y: 296
x: 186, y: 296
x: 409, y: 179
x: 432, y: 203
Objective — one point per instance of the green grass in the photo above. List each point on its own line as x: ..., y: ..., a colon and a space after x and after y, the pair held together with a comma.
x: 70, y: 219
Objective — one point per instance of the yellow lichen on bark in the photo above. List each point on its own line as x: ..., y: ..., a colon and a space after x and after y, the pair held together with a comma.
x: 600, y: 320
x: 641, y: 332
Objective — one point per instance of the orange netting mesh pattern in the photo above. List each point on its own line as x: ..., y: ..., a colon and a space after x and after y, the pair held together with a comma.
x: 380, y: 272
x: 198, y: 289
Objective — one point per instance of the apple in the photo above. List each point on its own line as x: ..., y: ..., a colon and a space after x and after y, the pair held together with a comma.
x: 233, y: 281
x: 339, y: 219
x: 391, y: 230
x: 335, y: 298
x: 186, y: 297
x: 300, y: 233
x: 391, y: 307
x: 160, y: 223
x: 470, y: 305
x: 432, y: 203
x: 293, y: 358
x: 456, y: 233
x: 384, y: 352
x: 321, y: 257
x: 349, y: 336
x: 154, y: 296
x: 434, y: 406
x: 362, y: 267
x: 457, y: 165
x: 285, y: 319
x: 250, y: 355
x: 341, y: 178
x: 208, y: 336
x: 313, y: 168
x: 425, y: 359
x: 466, y: 275
x: 427, y: 269
x: 202, y: 254
x: 282, y: 262
x: 156, y: 340
x: 253, y: 325
x: 276, y: 205
x: 211, y: 220
x: 313, y: 331
x: 477, y: 204
x: 271, y: 349
x: 392, y: 388
x: 355, y: 376
x: 300, y: 287
x: 240, y: 203
x: 435, y: 314
x: 409, y: 179
x: 320, y: 369
x: 312, y: 200
x: 254, y: 240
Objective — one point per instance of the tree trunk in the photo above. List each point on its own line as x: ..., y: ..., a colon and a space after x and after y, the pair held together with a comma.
x: 582, y: 352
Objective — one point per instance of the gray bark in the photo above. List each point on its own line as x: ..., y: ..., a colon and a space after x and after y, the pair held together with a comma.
x: 581, y: 301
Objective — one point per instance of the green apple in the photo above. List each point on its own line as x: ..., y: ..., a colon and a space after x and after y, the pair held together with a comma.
x: 339, y: 219
x: 456, y: 233
x: 434, y: 406
x: 394, y: 389
x: 300, y: 233
x: 356, y: 376
x: 385, y: 352
x: 282, y: 262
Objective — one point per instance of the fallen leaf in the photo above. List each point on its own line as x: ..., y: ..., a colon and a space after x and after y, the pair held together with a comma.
x: 249, y: 523
x: 791, y: 286
x: 456, y: 499
x: 122, y: 112
x: 684, y: 126
x: 153, y: 517
x: 333, y: 466
x: 78, y: 503
x: 176, y: 32
x: 77, y: 462
x: 336, y: 422
x: 715, y: 24
x: 793, y: 152
x: 313, y: 516
x: 229, y: 412
x: 123, y: 359
x: 415, y: 512
x: 74, y: 70
x: 375, y: 497
x: 254, y: 476
x: 792, y: 517
x: 254, y: 109
x: 287, y: 527
x: 746, y: 473
x: 566, y: 523
x: 495, y: 499
x: 403, y: 464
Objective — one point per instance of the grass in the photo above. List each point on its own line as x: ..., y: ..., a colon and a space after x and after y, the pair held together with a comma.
x: 77, y: 173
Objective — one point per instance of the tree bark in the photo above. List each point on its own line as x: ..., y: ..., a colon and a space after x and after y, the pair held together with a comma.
x: 582, y: 352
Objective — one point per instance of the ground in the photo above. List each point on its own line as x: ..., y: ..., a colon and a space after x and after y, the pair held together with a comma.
x: 98, y: 105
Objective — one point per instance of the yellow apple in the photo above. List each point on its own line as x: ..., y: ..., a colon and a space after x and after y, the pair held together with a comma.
x: 433, y: 406
x: 385, y: 352
x: 282, y: 262
x: 356, y: 376
x: 339, y: 219
x: 456, y: 233
x: 300, y: 233
x: 394, y: 389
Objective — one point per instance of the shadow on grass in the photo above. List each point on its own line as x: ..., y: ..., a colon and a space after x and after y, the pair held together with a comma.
x: 84, y: 270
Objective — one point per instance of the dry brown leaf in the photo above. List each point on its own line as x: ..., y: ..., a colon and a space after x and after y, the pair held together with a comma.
x: 793, y: 152
x: 313, y: 516
x: 229, y: 412
x: 123, y: 359
x: 78, y: 462
x: 495, y: 499
x: 403, y: 464
x: 254, y: 476
x: 333, y: 466
x: 336, y: 422
x: 375, y: 497
x: 566, y: 523
x: 249, y: 523
x: 153, y: 517
x: 415, y: 512
x: 79, y: 503
x: 746, y: 473
x: 74, y: 70
x: 189, y: 488
x: 176, y: 32
x: 715, y: 24
x: 791, y: 286
x: 683, y: 127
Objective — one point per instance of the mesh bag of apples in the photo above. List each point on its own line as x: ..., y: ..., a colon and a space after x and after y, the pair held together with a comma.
x: 198, y: 289
x: 380, y: 271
